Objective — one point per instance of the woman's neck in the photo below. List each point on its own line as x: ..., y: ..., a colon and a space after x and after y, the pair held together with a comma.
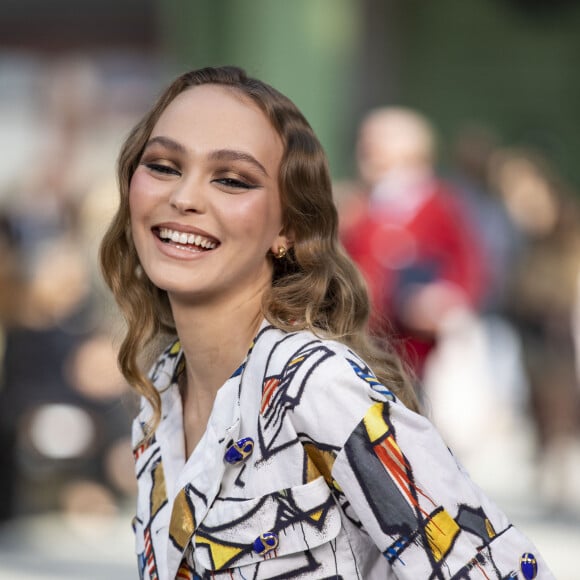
x: 215, y: 340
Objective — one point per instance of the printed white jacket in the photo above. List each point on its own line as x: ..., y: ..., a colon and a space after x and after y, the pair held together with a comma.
x: 343, y: 480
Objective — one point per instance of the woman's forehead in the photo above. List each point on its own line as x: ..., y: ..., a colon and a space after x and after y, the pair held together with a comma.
x: 219, y: 116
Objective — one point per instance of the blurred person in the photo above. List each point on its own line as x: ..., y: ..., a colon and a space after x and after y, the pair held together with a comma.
x: 56, y: 365
x: 542, y: 301
x: 52, y: 313
x: 409, y: 235
x: 265, y: 446
x: 43, y: 338
x: 491, y: 379
x: 501, y: 240
x: 45, y: 295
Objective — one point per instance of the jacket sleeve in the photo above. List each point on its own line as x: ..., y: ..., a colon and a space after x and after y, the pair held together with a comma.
x: 393, y: 474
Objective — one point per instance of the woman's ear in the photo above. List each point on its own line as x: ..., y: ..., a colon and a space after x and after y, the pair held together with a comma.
x: 283, y: 240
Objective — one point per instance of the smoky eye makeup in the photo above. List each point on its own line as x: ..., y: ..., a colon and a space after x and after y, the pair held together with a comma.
x: 237, y: 175
x: 162, y: 168
x: 158, y: 160
x: 235, y: 178
x: 235, y: 183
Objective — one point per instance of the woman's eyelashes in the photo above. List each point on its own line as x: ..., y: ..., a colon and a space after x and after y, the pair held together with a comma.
x: 161, y: 168
x: 235, y: 183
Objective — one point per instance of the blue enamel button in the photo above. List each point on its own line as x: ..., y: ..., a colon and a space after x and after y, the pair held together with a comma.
x: 265, y: 543
x: 528, y: 566
x: 239, y: 451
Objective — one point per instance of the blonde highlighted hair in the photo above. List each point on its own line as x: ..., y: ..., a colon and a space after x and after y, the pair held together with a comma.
x: 316, y: 286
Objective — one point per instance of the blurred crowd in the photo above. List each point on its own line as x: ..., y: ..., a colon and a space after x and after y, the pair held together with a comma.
x: 65, y: 409
x: 472, y: 265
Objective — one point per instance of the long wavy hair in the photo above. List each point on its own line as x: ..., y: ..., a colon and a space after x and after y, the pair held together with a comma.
x: 315, y: 287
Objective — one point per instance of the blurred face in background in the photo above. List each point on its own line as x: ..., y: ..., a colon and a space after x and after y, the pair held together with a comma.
x: 391, y: 140
x: 528, y: 195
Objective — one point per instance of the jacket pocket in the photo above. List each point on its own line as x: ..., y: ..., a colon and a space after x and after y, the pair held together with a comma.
x: 301, y: 518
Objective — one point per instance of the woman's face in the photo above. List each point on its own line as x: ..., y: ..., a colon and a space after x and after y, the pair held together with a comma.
x: 204, y: 200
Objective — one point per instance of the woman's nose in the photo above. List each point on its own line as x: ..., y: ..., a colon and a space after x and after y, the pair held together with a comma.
x: 188, y: 198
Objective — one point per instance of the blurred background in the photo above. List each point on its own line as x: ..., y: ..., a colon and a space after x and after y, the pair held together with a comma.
x: 452, y: 134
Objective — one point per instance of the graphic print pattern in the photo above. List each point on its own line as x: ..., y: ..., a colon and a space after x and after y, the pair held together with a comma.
x: 351, y: 483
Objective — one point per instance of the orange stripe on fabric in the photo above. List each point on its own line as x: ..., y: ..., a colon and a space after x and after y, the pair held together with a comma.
x: 269, y: 389
x: 399, y: 475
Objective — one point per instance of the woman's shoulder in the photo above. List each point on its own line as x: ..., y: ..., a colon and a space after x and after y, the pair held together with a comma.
x: 282, y: 342
x: 306, y: 356
x: 318, y: 386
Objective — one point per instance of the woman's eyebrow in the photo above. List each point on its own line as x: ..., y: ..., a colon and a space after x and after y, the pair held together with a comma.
x: 217, y: 155
x: 166, y: 142
x: 234, y: 155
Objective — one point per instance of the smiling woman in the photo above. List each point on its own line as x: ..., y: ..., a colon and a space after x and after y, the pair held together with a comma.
x: 209, y: 172
x: 276, y: 438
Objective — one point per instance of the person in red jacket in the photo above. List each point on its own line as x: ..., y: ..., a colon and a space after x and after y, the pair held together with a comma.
x: 409, y: 234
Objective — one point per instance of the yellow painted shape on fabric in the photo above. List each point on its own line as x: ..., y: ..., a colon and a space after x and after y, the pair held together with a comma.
x: 220, y: 553
x: 375, y: 423
x: 316, y: 515
x: 182, y: 524
x: 175, y: 347
x: 441, y: 531
x: 159, y: 491
x: 489, y: 529
x: 297, y: 360
x: 312, y: 471
x: 319, y: 463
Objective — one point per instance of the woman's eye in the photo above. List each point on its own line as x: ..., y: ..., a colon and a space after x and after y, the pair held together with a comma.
x: 233, y: 183
x: 161, y: 168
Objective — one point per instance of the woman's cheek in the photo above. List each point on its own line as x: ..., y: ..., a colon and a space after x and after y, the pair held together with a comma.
x: 141, y: 192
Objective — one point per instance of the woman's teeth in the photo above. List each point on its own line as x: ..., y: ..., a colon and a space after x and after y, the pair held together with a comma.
x: 186, y: 239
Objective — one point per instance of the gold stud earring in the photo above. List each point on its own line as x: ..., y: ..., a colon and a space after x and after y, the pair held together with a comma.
x: 281, y: 252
